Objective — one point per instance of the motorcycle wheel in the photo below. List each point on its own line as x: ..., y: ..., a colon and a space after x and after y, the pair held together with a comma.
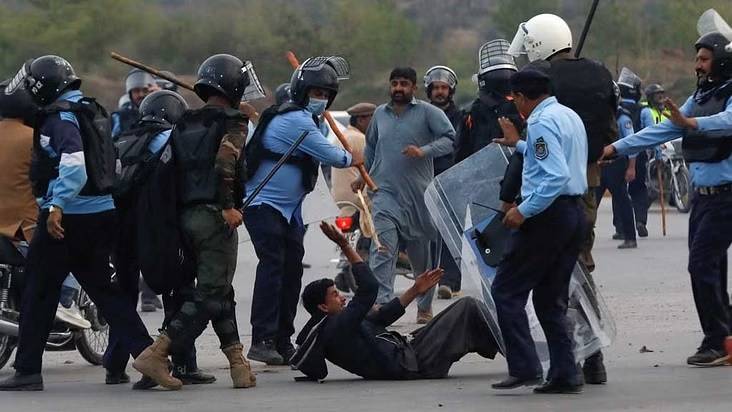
x: 7, y: 345
x: 681, y: 194
x: 91, y: 343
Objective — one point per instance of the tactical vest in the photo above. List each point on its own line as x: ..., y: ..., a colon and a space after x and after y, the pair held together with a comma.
x: 256, y: 152
x: 585, y: 86
x: 135, y: 158
x: 705, y: 146
x: 481, y: 126
x: 127, y: 118
x: 195, y: 142
x: 99, y: 151
x: 633, y: 110
x: 658, y: 116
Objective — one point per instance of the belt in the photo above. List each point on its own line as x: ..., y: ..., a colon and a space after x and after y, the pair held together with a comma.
x: 714, y: 190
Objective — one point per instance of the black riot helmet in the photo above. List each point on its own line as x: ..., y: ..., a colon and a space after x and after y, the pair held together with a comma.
x: 629, y: 84
x: 228, y: 76
x: 717, y: 43
x: 440, y: 74
x: 318, y: 72
x: 282, y: 93
x: 46, y: 78
x: 163, y: 107
x: 495, y: 67
x: 18, y: 105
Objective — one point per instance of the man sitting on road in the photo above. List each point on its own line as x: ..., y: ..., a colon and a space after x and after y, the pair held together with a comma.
x: 355, y: 337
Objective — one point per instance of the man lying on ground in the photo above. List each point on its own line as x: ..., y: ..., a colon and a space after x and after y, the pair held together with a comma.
x: 355, y: 337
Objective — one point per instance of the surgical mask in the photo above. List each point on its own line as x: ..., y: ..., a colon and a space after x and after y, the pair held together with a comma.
x: 317, y: 106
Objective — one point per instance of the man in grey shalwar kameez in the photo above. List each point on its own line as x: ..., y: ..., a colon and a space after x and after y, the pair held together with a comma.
x: 403, y: 138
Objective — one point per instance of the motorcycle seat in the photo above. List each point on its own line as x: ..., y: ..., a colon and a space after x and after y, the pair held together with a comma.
x: 9, y: 254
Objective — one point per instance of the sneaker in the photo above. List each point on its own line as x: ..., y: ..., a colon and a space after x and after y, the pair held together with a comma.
x: 444, y: 292
x: 423, y: 316
x: 72, y: 316
x: 628, y: 244
x: 265, y: 352
x: 641, y: 228
x: 708, y: 357
x: 286, y: 350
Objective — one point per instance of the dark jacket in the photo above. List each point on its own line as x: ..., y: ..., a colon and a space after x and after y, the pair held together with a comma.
x: 480, y: 125
x: 357, y: 340
x: 456, y: 116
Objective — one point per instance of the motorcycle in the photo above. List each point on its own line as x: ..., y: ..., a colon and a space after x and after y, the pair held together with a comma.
x: 675, y: 175
x: 91, y: 343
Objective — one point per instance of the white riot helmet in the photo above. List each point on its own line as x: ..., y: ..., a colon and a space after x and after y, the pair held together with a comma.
x: 541, y: 37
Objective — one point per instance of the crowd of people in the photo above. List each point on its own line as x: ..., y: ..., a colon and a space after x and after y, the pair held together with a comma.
x: 159, y: 190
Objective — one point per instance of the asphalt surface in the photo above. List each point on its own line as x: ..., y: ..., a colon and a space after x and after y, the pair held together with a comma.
x: 647, y: 290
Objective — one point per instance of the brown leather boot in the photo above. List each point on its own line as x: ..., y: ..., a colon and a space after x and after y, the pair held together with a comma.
x: 153, y: 362
x: 241, y: 372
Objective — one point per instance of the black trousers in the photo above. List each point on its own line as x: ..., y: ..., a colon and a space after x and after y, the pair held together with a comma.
x: 127, y: 281
x: 541, y: 257
x: 85, y: 252
x: 279, y: 247
x: 613, y: 179
x: 710, y: 234
x: 459, y: 329
x: 638, y: 190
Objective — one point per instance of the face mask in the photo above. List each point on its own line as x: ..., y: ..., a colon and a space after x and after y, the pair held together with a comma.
x: 316, y: 106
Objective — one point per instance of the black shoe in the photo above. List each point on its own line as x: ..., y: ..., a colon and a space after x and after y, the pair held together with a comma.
x: 618, y: 236
x: 594, y: 370
x: 265, y: 352
x: 286, y: 350
x: 708, y: 357
x: 641, y: 228
x: 144, y: 383
x: 116, y: 378
x: 513, y: 383
x: 20, y: 382
x: 190, y: 376
x: 628, y: 244
x: 557, y: 386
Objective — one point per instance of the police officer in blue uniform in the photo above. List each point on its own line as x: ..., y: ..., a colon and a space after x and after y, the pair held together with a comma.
x: 77, y: 221
x: 705, y: 122
x: 548, y: 233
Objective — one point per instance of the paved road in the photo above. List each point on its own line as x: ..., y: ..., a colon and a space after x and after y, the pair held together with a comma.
x: 647, y: 290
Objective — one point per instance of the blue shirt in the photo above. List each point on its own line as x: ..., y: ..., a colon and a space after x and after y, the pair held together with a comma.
x: 625, y: 128
x: 646, y: 117
x: 157, y: 142
x: 61, y: 140
x: 702, y: 174
x: 555, y: 156
x: 285, y: 191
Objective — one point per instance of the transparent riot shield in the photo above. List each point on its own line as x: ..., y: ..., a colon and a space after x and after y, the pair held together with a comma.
x: 464, y: 199
x: 318, y: 205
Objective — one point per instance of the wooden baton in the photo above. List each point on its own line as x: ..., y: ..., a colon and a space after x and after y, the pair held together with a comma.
x: 334, y: 126
x: 150, y: 70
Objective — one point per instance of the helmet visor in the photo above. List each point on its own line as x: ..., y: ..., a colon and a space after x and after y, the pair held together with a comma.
x: 710, y: 21
x: 440, y: 74
x: 494, y: 55
x: 17, y: 82
x: 628, y: 78
x: 254, y: 90
x: 517, y: 46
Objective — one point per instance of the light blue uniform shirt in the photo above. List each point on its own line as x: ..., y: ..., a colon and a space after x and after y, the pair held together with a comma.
x: 625, y: 128
x: 702, y: 174
x: 555, y: 156
x: 285, y: 191
x: 646, y: 117
x: 159, y: 141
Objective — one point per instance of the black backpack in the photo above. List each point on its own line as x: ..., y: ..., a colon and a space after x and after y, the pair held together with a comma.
x: 135, y: 158
x: 165, y: 259
x: 99, y: 151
